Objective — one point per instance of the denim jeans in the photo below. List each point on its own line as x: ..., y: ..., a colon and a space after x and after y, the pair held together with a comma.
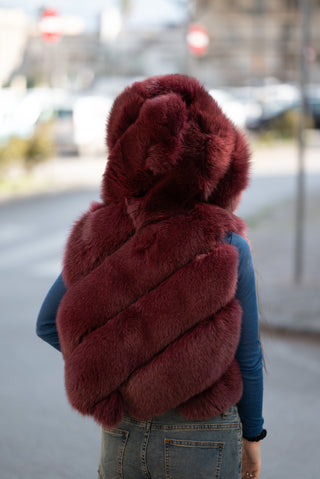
x: 172, y: 447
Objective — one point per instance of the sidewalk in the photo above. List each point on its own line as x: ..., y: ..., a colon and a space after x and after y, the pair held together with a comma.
x: 284, y: 305
x: 56, y: 174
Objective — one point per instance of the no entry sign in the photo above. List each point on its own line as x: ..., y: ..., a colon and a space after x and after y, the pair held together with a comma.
x: 50, y: 25
x: 198, y: 40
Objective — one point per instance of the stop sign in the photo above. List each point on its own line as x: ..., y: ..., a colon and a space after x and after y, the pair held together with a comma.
x: 50, y: 25
x: 198, y: 40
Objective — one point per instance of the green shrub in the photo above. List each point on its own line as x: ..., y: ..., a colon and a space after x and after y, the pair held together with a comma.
x: 28, y: 151
x: 40, y: 147
x: 285, y: 126
x: 15, y: 149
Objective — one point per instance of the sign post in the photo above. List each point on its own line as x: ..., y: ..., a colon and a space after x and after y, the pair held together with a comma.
x: 304, y: 78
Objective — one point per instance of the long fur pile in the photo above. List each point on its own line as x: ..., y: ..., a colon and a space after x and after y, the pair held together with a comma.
x: 149, y: 321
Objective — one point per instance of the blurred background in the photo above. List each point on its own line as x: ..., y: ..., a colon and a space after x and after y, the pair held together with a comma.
x: 61, y: 66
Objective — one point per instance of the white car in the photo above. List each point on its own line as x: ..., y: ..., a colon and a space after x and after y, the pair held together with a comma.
x: 234, y: 110
x: 90, y: 115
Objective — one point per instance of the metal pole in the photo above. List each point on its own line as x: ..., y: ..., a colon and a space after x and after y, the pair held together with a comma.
x: 304, y: 77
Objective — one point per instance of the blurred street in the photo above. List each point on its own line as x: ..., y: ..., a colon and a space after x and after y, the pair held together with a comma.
x: 61, y: 68
x: 41, y: 437
x: 44, y: 437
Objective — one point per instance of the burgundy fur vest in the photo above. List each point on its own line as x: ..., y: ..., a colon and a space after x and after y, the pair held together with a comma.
x: 149, y: 321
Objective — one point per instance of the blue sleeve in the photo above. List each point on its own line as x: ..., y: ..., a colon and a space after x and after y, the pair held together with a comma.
x: 46, y: 323
x: 249, y: 353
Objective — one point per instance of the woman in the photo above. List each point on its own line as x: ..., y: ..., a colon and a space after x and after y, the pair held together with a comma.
x: 155, y: 312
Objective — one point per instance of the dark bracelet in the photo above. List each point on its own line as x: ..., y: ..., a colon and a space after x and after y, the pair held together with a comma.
x: 257, y: 438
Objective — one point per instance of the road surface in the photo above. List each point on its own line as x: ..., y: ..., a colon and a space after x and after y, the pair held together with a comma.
x: 41, y: 436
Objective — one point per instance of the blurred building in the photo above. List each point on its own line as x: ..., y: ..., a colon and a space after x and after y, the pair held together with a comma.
x: 249, y: 41
x: 80, y: 59
x: 67, y: 63
x: 254, y: 39
x: 13, y: 37
x: 60, y: 62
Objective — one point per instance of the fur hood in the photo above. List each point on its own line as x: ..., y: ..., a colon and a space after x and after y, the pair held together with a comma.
x: 168, y: 139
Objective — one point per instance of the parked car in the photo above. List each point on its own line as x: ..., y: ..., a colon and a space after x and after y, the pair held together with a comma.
x: 230, y: 106
x: 76, y: 123
x: 313, y: 97
x: 59, y: 119
x: 78, y: 126
x: 89, y: 122
x: 279, y: 101
x: 19, y: 116
x: 246, y: 96
x: 34, y: 108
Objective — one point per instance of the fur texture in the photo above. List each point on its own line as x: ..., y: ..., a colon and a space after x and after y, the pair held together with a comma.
x: 149, y: 321
x: 169, y: 130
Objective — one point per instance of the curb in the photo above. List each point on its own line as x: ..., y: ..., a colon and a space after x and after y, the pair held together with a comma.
x: 289, y: 331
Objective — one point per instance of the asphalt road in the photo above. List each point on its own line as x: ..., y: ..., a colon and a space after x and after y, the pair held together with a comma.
x: 40, y: 436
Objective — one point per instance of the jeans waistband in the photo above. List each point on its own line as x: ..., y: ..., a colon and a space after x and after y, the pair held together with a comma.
x: 173, y: 417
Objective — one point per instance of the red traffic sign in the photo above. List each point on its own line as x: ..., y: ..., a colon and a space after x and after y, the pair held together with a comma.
x: 198, y: 40
x: 50, y: 25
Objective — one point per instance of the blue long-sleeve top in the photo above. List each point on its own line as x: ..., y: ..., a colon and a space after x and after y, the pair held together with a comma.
x: 249, y: 353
